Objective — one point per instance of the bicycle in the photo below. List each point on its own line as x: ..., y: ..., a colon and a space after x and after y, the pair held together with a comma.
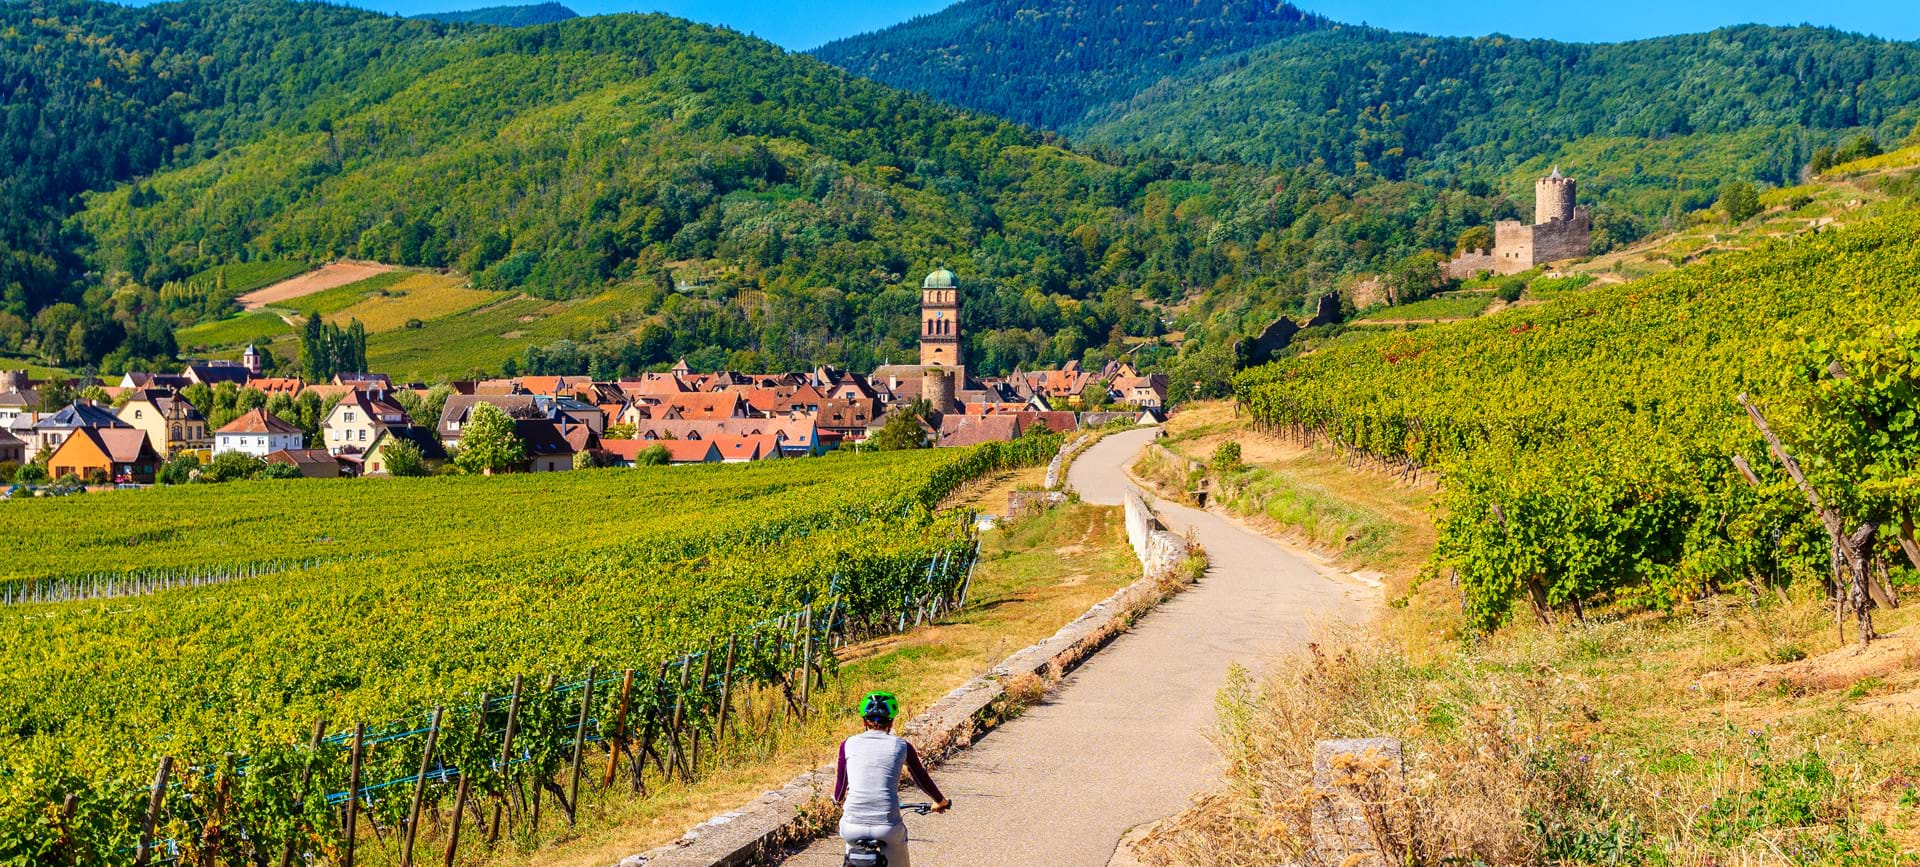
x: 872, y: 853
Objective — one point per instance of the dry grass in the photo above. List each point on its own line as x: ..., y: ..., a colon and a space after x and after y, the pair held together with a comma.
x: 1594, y: 743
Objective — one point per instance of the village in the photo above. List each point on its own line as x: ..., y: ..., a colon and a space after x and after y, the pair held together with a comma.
x: 364, y: 424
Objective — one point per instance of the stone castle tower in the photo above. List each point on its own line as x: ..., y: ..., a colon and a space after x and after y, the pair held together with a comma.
x: 1561, y: 230
x: 940, y: 320
x: 1553, y: 198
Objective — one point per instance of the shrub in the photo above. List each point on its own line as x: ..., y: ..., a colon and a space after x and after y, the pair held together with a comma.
x: 1226, y: 458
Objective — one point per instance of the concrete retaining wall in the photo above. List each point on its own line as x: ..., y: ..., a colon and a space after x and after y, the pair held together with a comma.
x: 764, y: 830
x: 1056, y: 471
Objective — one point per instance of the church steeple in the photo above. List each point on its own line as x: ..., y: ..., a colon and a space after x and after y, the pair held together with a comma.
x: 940, y: 320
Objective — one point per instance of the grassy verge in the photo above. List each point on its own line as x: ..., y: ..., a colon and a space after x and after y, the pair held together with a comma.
x: 1035, y: 575
x: 1743, y: 731
x: 1309, y: 495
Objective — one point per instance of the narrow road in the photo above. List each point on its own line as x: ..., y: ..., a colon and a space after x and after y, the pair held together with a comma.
x: 1123, y: 741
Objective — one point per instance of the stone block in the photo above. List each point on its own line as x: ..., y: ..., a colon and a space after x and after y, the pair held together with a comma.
x: 1361, y: 816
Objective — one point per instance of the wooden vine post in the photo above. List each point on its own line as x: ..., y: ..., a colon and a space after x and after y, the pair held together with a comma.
x: 506, y: 761
x: 617, y: 744
x: 726, y: 696
x: 539, y: 782
x: 420, y: 790
x: 156, y: 798
x: 460, y: 793
x: 306, y: 781
x: 1855, y: 548
x: 706, y: 672
x: 806, y: 660
x: 353, y: 789
x: 579, y: 740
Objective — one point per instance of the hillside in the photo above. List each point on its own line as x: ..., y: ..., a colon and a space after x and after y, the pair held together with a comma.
x: 734, y: 198
x: 1050, y: 62
x: 1599, y: 426
x: 1655, y: 123
x: 506, y: 16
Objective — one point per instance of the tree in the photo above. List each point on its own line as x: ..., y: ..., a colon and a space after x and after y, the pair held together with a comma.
x: 31, y: 474
x: 1226, y: 458
x: 1739, y: 200
x: 179, y: 469
x: 487, y: 442
x: 232, y: 467
x: 55, y: 394
x: 902, y: 429
x: 1475, y: 239
x: 652, y: 456
x: 404, y: 459
x: 584, y: 460
x: 279, y: 471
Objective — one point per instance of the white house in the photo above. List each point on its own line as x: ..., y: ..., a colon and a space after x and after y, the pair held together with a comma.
x: 258, y: 433
x: 357, y: 421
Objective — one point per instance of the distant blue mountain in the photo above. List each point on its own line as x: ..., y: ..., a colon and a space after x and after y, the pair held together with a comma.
x: 507, y: 16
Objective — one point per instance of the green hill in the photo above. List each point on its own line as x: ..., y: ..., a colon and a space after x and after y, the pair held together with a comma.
x: 1683, y: 113
x: 507, y: 16
x: 1050, y: 62
x: 741, y: 199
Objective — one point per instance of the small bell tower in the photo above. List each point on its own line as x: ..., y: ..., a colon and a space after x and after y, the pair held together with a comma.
x: 940, y: 320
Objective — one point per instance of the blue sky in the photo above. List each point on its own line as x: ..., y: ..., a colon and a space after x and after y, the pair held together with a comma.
x: 802, y: 25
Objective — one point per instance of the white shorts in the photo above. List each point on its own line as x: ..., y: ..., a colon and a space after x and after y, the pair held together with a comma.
x: 894, y: 835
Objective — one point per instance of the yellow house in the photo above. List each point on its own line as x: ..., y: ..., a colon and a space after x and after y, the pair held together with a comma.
x: 171, y: 423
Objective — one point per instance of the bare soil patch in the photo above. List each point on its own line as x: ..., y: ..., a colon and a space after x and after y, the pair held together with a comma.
x: 1894, y: 654
x: 329, y: 276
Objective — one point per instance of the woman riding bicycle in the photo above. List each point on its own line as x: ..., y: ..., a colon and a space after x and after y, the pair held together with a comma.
x: 867, y: 784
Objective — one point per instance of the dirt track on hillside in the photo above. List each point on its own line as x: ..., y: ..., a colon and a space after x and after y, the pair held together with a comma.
x: 329, y: 276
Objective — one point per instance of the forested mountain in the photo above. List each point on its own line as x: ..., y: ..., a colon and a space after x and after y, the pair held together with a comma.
x: 95, y: 93
x: 507, y: 16
x: 1645, y: 118
x: 1050, y: 62
x: 766, y: 201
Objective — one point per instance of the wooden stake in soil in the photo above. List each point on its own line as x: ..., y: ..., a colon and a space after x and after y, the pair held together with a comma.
x: 539, y: 784
x: 506, y: 761
x: 579, y: 738
x: 420, y: 789
x: 619, y: 739
x: 155, y: 799
x: 806, y: 661
x: 460, y: 794
x: 726, y: 697
x: 306, y: 780
x: 706, y: 671
x: 353, y: 789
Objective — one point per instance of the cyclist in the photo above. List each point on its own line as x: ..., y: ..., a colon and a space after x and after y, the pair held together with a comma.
x: 867, y: 784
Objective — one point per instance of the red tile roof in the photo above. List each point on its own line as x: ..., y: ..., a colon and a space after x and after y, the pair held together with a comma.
x: 259, y: 421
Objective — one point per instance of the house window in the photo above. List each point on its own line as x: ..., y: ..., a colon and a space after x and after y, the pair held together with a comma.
x: 363, y: 436
x: 349, y: 415
x: 137, y: 414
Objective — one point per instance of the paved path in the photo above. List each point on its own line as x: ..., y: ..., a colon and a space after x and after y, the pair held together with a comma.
x: 1123, y: 741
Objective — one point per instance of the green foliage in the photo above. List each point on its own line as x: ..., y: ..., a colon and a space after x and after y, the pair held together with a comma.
x: 403, y: 459
x: 488, y: 444
x: 31, y: 474
x: 902, y: 430
x: 231, y: 467
x: 178, y: 470
x: 327, y: 349
x: 1226, y: 458
x: 507, y: 16
x: 1464, y: 306
x: 1857, y: 429
x: 1585, y: 442
x: 1739, y: 200
x: 1785, y: 797
x: 652, y: 456
x: 1050, y: 68
x: 424, y: 625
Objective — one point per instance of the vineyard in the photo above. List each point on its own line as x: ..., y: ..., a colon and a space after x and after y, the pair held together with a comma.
x: 475, y: 645
x: 1587, y: 444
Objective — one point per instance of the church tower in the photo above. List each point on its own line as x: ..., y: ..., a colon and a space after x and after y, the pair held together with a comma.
x: 940, y: 320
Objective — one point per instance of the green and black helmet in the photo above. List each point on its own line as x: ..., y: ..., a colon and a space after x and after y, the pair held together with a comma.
x: 879, y: 707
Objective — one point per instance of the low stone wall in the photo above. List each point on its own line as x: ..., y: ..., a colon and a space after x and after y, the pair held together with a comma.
x: 767, y: 829
x: 1159, y: 550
